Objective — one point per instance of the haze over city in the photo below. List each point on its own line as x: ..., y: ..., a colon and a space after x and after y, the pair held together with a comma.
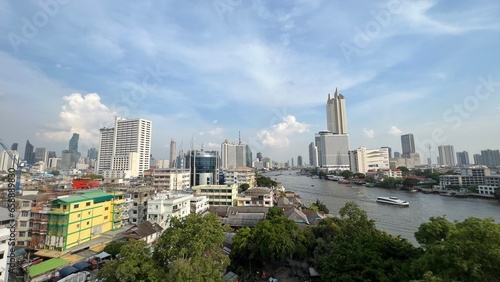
x: 204, y: 71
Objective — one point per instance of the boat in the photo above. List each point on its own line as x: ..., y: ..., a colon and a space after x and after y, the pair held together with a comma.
x: 393, y: 201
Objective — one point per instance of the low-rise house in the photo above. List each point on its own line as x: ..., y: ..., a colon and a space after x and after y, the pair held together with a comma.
x: 165, y: 205
x: 255, y: 197
x: 199, y: 204
x: 146, y: 231
x: 237, y: 217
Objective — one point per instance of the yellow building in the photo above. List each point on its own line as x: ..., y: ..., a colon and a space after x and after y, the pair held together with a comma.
x: 78, y: 218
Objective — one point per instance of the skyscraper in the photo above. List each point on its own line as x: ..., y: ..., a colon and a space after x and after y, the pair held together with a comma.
x: 105, y: 149
x: 478, y: 159
x: 233, y: 155
x: 173, y: 154
x: 29, y: 154
x: 41, y: 155
x: 463, y: 158
x: 92, y: 154
x: 336, y: 114
x: 249, y: 156
x: 299, y: 161
x: 490, y: 158
x: 203, y: 167
x: 408, y: 144
x: 73, y: 142
x: 133, y: 136
x: 259, y: 156
x: 313, y: 155
x: 333, y: 150
x: 446, y: 155
x: 14, y: 147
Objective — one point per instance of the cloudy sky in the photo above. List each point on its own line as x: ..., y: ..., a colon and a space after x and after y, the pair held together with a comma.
x: 202, y: 71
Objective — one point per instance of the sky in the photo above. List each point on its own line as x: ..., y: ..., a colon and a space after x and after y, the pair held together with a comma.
x: 204, y: 71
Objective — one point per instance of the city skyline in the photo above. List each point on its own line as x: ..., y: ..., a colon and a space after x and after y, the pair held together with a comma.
x: 203, y: 74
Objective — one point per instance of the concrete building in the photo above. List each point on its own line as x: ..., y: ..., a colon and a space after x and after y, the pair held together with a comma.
x: 299, y: 161
x: 29, y: 154
x: 239, y: 176
x: 163, y: 206
x: 105, y: 153
x: 408, y: 160
x: 5, y: 221
x: 92, y: 153
x: 313, y: 155
x: 173, y: 154
x: 255, y: 197
x: 128, y: 163
x: 463, y: 158
x: 473, y: 176
x: 363, y: 160
x: 478, y: 159
x: 218, y: 195
x: 79, y: 218
x: 333, y: 150
x: 168, y: 178
x: 233, y: 155
x: 199, y: 204
x: 203, y: 167
x: 139, y: 206
x: 41, y: 155
x: 490, y: 158
x: 446, y: 155
x: 145, y: 231
x: 336, y: 114
x: 24, y: 225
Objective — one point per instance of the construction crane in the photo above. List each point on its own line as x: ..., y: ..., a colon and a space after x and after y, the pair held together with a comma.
x: 19, y: 166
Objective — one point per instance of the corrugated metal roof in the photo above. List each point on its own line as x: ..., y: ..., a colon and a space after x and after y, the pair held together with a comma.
x: 46, y: 266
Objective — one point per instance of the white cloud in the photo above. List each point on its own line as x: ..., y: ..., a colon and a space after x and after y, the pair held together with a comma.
x: 83, y: 114
x: 394, y: 131
x: 278, y: 135
x: 368, y: 133
x: 213, y: 132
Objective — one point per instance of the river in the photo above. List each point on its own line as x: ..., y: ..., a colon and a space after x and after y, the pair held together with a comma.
x: 392, y: 219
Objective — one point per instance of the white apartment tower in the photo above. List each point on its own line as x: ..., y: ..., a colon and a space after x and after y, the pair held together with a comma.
x: 336, y: 114
x: 233, y: 155
x: 127, y: 146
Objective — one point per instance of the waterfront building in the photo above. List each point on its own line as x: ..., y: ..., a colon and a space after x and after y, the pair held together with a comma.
x: 255, y: 197
x: 162, y: 206
x: 168, y: 178
x: 490, y: 158
x: 333, y: 150
x: 313, y: 155
x: 446, y: 155
x: 81, y: 217
x: 240, y: 175
x: 472, y: 176
x: 218, y: 195
x: 363, y: 160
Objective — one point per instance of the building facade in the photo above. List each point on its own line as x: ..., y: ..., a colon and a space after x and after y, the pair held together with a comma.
x: 163, y: 206
x: 408, y: 144
x: 238, y: 176
x: 446, y: 155
x: 203, y: 167
x: 168, y: 178
x: 333, y: 150
x: 233, y: 155
x: 218, y: 195
x: 363, y: 160
x: 336, y: 114
x: 255, y: 197
x: 463, y: 158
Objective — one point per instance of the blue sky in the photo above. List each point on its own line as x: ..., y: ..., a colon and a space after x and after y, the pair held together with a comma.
x: 204, y: 70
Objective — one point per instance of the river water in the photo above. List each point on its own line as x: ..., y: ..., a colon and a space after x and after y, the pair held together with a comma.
x: 392, y: 219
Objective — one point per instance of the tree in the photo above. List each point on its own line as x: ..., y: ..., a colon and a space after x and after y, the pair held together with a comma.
x: 320, y: 206
x: 389, y: 182
x: 460, y: 251
x: 134, y: 264
x: 114, y: 248
x: 55, y: 172
x: 264, y: 181
x: 275, y: 212
x: 346, y: 174
x: 410, y: 182
x: 244, y: 187
x: 404, y: 170
x: 191, y: 249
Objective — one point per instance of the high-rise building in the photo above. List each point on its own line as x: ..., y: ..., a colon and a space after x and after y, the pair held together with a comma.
x: 41, y: 155
x: 446, y: 155
x: 478, y: 159
x: 105, y: 149
x: 463, y: 158
x: 313, y: 155
x: 233, y: 155
x: 73, y: 142
x: 490, y: 158
x: 6, y: 162
x: 389, y: 149
x: 133, y: 135
x: 14, y: 146
x: 92, y: 154
x: 173, y: 154
x: 408, y: 144
x: 203, y: 167
x: 336, y: 114
x: 249, y: 157
x: 363, y: 160
x: 299, y: 161
x: 66, y: 160
x: 397, y: 155
x: 333, y: 150
x: 29, y: 154
x: 259, y: 156
x: 51, y: 154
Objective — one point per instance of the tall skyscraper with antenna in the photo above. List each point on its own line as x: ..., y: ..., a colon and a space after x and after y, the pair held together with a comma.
x: 336, y: 117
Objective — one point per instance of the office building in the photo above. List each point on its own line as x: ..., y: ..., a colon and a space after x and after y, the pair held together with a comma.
x: 233, y: 155
x: 41, y: 155
x: 249, y: 157
x: 408, y: 144
x: 389, y: 149
x: 259, y: 156
x: 299, y: 161
x: 478, y: 159
x: 463, y: 158
x: 336, y: 114
x: 446, y: 155
x: 203, y: 167
x: 333, y: 150
x: 29, y: 154
x: 14, y: 146
x: 92, y: 154
x: 66, y: 160
x: 173, y: 154
x: 76, y: 219
x: 313, y: 155
x: 363, y: 160
x: 397, y: 155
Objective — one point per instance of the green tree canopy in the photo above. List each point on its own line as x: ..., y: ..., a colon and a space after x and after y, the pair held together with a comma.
x: 244, y: 187
x: 114, y: 248
x: 264, y: 181
x: 320, y: 206
x: 193, y: 243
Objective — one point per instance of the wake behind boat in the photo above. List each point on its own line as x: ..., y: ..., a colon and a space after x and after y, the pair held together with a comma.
x: 393, y: 201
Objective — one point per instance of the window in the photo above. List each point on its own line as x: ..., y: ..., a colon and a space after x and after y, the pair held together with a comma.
x: 78, y: 215
x: 87, y: 204
x: 88, y: 222
x: 89, y: 213
x: 24, y: 213
x: 26, y: 204
x: 78, y: 226
x: 1, y: 255
x: 22, y: 233
x: 64, y: 206
x: 23, y: 224
x: 76, y: 206
x: 106, y: 217
x: 106, y: 208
